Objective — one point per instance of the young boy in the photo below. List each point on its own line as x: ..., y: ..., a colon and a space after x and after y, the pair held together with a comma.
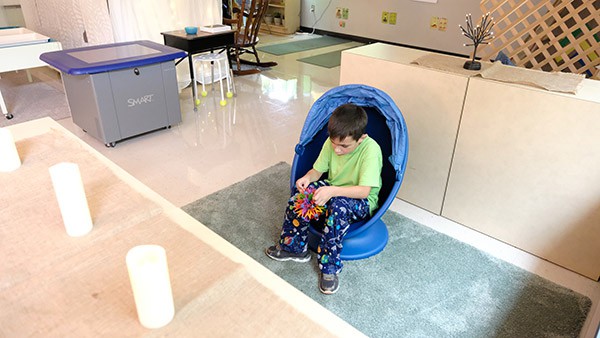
x: 353, y: 162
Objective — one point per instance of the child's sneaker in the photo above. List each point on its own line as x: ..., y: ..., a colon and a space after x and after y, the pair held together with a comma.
x: 328, y: 283
x: 278, y: 254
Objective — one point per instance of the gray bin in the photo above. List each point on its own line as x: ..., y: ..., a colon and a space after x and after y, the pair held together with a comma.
x: 114, y: 105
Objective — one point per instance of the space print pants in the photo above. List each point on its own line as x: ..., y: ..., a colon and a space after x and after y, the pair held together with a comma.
x: 339, y: 213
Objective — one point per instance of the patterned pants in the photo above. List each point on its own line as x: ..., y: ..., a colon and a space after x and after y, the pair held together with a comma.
x: 339, y: 213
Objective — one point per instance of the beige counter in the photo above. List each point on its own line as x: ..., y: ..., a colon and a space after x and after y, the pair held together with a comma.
x: 53, y: 285
x: 518, y: 163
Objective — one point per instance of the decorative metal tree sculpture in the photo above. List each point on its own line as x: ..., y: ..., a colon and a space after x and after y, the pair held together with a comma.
x: 480, y: 34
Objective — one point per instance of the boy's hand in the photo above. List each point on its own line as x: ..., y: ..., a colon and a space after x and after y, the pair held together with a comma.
x: 302, y: 183
x: 323, y: 194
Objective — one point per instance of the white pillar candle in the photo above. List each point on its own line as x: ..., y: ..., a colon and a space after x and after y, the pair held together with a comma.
x: 70, y: 194
x: 9, y: 157
x: 149, y: 277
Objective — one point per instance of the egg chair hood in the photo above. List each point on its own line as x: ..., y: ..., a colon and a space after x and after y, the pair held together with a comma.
x: 364, y: 96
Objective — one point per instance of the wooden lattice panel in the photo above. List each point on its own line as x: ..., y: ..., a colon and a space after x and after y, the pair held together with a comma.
x: 549, y: 35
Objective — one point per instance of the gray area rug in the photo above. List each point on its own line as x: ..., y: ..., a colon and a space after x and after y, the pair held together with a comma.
x: 32, y: 100
x: 424, y: 283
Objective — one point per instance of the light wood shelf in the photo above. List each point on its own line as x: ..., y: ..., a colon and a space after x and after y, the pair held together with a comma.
x: 290, y: 11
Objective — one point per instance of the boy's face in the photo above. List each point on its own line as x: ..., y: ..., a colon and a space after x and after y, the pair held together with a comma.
x: 347, y: 145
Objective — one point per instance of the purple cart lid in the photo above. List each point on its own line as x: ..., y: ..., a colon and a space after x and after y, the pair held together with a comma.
x: 104, y: 58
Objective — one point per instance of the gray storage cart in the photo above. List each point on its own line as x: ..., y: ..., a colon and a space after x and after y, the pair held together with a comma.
x: 120, y: 90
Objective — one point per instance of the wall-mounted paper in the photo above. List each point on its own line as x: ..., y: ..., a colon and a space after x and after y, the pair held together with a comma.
x: 70, y: 194
x: 151, y: 285
x: 9, y: 157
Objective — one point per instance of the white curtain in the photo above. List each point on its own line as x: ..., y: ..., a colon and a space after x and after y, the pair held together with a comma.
x: 145, y: 20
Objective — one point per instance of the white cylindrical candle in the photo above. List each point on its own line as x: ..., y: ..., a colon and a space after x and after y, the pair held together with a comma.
x: 149, y: 277
x: 70, y: 194
x: 9, y: 157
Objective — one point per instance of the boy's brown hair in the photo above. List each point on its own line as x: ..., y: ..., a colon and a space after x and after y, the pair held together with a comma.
x: 347, y: 120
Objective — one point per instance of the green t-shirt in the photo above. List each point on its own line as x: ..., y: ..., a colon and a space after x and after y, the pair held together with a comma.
x: 360, y: 167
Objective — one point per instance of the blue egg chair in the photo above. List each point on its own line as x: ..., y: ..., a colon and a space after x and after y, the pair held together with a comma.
x: 386, y: 126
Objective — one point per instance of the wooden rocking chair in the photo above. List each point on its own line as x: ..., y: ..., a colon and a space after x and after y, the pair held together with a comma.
x: 246, y: 21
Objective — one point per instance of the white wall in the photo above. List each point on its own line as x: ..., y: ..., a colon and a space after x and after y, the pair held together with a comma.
x: 3, y: 21
x: 10, y: 13
x: 413, y: 21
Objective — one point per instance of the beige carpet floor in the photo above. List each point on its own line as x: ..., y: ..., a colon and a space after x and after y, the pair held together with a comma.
x: 43, y: 96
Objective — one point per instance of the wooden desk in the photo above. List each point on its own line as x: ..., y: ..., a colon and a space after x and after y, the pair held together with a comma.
x: 55, y: 285
x: 198, y: 43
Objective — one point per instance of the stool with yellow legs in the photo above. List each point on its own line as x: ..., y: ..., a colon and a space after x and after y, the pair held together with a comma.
x: 223, y: 72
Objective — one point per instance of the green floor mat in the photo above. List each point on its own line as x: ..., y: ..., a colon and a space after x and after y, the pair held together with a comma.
x: 327, y: 60
x: 301, y: 45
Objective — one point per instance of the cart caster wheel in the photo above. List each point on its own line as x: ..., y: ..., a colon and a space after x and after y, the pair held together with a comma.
x: 110, y: 145
x: 223, y: 103
x: 204, y: 93
x: 9, y: 116
x: 197, y: 102
x: 229, y: 95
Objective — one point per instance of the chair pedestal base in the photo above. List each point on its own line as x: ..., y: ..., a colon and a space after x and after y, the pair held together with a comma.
x: 366, y: 244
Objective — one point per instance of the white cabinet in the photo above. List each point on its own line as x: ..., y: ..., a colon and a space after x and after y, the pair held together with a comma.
x: 526, y: 171
x: 514, y: 162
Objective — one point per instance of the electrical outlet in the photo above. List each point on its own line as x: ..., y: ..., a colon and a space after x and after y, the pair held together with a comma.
x: 312, y: 8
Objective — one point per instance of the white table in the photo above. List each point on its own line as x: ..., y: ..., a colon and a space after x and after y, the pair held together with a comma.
x: 20, y: 48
